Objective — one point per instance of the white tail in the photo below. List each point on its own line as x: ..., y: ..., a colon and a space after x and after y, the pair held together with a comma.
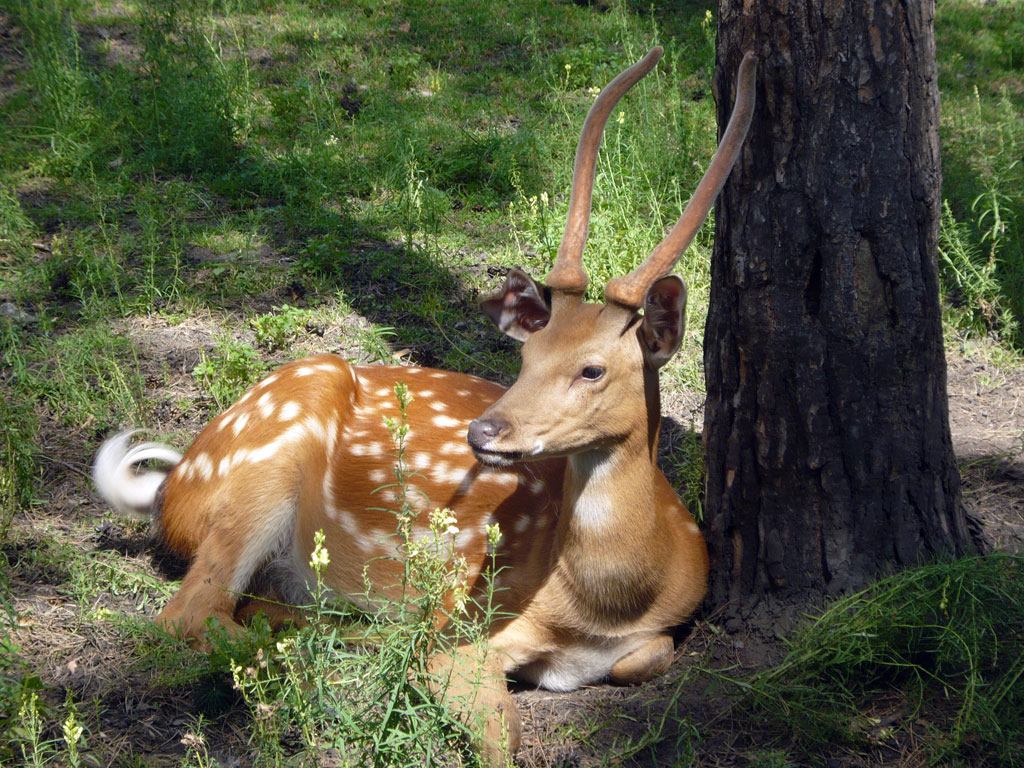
x: 129, y: 492
x: 600, y: 558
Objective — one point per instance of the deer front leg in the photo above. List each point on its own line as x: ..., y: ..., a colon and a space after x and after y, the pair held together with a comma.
x: 645, y: 663
x: 476, y: 687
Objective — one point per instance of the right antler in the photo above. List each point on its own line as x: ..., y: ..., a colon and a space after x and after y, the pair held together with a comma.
x: 567, y: 274
x: 629, y: 290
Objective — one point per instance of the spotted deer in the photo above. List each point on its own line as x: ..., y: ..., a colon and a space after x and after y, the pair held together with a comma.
x: 600, y: 558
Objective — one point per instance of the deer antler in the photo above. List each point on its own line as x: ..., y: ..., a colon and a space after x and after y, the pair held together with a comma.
x: 567, y: 275
x: 629, y: 290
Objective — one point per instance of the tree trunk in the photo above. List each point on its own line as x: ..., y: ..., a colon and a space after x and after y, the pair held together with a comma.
x: 829, y: 458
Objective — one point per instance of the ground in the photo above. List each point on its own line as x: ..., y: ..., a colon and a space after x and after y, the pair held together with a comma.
x: 79, y: 647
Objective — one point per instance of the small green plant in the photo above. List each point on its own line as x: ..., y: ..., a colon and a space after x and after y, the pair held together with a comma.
x: 35, y: 750
x: 970, y: 279
x: 374, y: 342
x: 276, y: 329
x: 197, y: 754
x: 73, y: 733
x: 227, y: 371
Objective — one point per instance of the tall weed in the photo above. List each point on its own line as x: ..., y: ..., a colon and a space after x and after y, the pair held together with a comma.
x: 185, y: 120
x: 983, y: 169
x: 61, y: 84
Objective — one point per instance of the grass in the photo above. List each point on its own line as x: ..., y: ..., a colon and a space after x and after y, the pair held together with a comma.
x: 364, y: 172
x: 946, y: 639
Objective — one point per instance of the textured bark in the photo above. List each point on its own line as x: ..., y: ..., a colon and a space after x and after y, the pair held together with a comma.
x: 826, y: 430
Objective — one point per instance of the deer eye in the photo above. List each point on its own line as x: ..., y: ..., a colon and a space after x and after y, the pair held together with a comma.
x: 592, y: 373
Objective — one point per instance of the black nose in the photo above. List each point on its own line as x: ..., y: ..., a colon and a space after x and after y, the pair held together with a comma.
x: 482, y: 431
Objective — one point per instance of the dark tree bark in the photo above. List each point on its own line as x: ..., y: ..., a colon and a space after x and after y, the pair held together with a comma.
x: 829, y: 459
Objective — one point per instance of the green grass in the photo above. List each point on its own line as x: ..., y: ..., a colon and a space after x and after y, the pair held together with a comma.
x: 267, y: 166
x: 945, y: 642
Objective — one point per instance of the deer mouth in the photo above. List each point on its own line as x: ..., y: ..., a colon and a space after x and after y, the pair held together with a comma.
x: 497, y: 458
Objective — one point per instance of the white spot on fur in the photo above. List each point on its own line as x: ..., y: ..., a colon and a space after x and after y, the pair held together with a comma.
x: 244, y: 397
x: 426, y: 393
x: 311, y: 425
x: 328, y: 491
x: 304, y: 371
x: 204, y: 466
x: 502, y: 478
x: 462, y: 392
x: 289, y: 411
x: 439, y: 406
x: 377, y: 476
x: 537, y: 487
x: 265, y: 405
x: 422, y: 460
x: 332, y: 435
x: 443, y: 474
x: 240, y: 423
x: 226, y: 420
x: 348, y: 523
x: 269, y: 380
x: 439, y: 375
x: 455, y: 448
x: 263, y: 453
x: 224, y: 466
x: 445, y: 421
x: 464, y: 538
x: 383, y: 392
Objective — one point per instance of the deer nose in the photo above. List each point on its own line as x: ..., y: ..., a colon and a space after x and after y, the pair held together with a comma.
x: 482, y: 431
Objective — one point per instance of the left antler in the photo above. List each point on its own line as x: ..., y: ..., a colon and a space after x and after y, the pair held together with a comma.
x: 629, y: 290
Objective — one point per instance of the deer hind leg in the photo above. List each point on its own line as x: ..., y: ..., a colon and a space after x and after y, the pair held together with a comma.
x: 645, y: 663
x: 223, y: 568
x: 277, y: 612
x: 475, y: 686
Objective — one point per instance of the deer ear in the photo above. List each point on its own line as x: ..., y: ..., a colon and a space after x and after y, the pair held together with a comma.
x: 661, y: 332
x: 521, y: 307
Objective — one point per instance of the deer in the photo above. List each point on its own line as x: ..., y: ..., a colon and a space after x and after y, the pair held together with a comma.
x: 600, y: 558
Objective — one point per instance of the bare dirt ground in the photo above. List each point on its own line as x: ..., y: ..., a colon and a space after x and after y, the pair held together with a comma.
x: 135, y: 714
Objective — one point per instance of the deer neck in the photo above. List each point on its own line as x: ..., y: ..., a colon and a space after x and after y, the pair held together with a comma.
x: 609, y: 549
x: 606, y: 491
x: 609, y: 490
